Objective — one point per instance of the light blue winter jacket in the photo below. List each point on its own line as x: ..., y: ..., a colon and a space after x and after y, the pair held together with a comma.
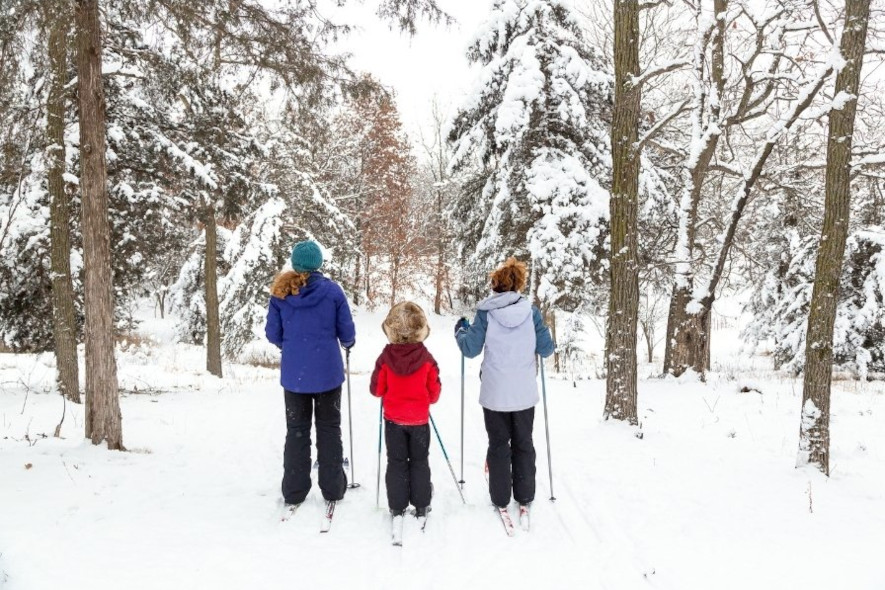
x: 511, y: 332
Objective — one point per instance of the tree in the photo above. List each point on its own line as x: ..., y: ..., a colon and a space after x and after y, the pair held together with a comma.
x: 814, y: 431
x: 537, y: 125
x: 57, y: 19
x: 623, y: 310
x: 103, y: 419
x: 441, y: 193
x: 751, y: 78
x: 389, y: 218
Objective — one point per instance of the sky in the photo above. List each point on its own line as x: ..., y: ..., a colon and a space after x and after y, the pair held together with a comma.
x: 431, y: 64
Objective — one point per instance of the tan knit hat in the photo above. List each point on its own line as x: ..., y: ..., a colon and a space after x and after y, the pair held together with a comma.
x: 406, y: 322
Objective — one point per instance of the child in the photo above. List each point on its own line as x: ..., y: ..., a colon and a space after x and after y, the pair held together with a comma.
x: 406, y: 378
x: 511, y: 332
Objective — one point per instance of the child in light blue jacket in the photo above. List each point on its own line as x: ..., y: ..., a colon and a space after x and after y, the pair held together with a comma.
x: 511, y: 333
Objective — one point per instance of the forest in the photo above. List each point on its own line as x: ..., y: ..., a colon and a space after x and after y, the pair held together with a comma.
x: 647, y: 159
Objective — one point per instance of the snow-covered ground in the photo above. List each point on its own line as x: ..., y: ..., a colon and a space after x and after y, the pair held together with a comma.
x: 707, y: 498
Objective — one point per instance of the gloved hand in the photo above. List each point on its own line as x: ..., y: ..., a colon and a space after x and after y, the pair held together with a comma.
x: 348, y: 345
x: 461, y: 325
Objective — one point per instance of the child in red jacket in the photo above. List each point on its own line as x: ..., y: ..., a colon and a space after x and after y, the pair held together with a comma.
x: 406, y: 378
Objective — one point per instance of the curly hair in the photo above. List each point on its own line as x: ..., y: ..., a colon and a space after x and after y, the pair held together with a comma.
x: 288, y: 283
x: 510, y: 276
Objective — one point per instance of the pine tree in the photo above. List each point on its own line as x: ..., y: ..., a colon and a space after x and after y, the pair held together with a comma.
x: 538, y: 127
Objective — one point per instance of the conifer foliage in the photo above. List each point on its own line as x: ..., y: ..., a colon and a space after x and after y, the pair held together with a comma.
x: 537, y: 124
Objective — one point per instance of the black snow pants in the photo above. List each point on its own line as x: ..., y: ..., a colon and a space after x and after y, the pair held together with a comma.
x: 511, y: 456
x: 408, y: 468
x: 296, y: 454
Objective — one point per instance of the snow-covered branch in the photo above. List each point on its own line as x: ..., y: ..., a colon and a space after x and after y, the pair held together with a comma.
x: 703, y: 295
x: 647, y: 75
x: 657, y: 127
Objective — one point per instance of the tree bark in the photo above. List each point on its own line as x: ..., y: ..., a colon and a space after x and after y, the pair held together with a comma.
x: 623, y: 309
x: 64, y: 324
x: 210, y: 269
x: 814, y: 429
x: 103, y: 419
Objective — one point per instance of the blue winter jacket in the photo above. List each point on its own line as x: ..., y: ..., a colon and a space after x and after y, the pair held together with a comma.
x: 308, y: 327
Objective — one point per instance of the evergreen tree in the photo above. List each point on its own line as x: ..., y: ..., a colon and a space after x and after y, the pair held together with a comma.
x: 537, y: 124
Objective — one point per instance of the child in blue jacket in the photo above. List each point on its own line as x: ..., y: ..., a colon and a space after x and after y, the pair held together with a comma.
x: 307, y: 318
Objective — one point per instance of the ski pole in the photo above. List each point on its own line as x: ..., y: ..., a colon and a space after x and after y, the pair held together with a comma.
x: 353, y: 483
x: 461, y: 483
x: 378, y: 482
x: 547, y: 430
x: 446, y: 455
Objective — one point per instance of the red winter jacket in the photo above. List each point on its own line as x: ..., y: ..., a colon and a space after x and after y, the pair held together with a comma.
x: 406, y: 377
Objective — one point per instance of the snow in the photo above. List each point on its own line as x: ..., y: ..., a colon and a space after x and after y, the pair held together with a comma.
x: 708, y: 498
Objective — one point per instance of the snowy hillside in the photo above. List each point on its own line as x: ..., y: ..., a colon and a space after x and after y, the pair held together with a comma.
x: 707, y: 498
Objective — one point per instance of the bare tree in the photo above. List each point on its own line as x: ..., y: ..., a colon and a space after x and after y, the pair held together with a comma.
x: 814, y: 430
x: 651, y: 311
x: 731, y: 94
x: 439, y: 232
x: 103, y: 419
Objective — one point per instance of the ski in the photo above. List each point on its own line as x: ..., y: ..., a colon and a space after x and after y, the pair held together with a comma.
x: 509, y: 528
x: 507, y: 521
x: 421, y: 518
x: 327, y: 517
x: 524, y: 517
x: 396, y: 529
x: 289, y: 511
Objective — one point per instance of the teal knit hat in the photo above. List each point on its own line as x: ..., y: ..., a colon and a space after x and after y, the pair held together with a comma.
x: 306, y: 256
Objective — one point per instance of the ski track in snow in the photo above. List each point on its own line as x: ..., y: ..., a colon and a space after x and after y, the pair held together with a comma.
x: 708, y: 498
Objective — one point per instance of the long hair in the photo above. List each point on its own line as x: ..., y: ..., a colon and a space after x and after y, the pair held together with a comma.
x: 510, y: 276
x: 288, y: 283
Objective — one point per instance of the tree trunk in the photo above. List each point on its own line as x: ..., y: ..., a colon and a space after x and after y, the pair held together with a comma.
x: 440, y: 256
x: 357, y: 279
x: 690, y: 339
x: 64, y: 324
x: 685, y: 339
x: 103, y: 419
x: 213, y: 324
x: 648, y: 331
x: 623, y: 309
x: 161, y: 303
x: 368, y: 275
x: 814, y: 429
x: 708, y: 331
